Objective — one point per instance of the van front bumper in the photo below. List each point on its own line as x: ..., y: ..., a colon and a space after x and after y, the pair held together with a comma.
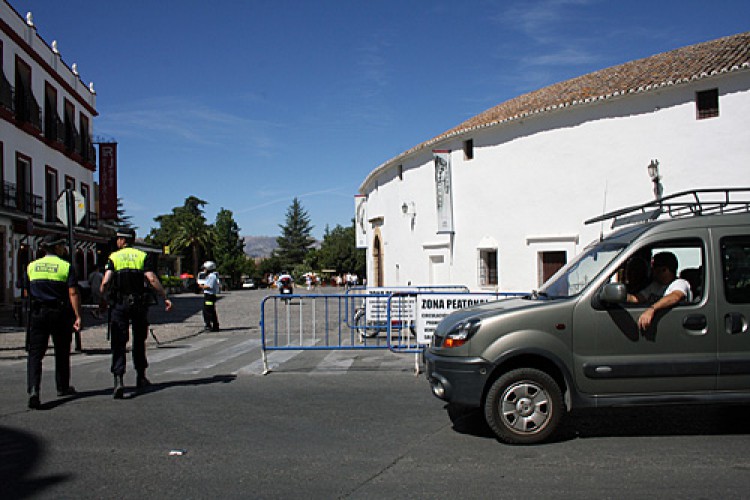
x: 457, y: 380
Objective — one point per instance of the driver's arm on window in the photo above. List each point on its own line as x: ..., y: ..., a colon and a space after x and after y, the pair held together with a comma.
x: 667, y: 302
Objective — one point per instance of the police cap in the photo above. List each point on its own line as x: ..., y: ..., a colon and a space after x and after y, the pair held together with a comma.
x: 128, y: 234
x: 52, y: 240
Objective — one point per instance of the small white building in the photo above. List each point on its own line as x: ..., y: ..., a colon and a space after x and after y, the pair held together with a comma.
x: 46, y: 129
x: 499, y: 202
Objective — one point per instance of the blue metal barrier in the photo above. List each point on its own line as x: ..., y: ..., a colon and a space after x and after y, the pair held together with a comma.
x: 301, y: 322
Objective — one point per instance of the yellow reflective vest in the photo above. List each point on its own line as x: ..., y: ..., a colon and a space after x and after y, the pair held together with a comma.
x: 49, y: 279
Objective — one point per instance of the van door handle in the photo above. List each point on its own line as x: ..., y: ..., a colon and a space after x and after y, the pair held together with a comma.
x: 735, y: 323
x: 695, y: 322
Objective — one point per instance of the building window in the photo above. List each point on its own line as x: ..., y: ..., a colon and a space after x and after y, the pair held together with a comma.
x: 23, y: 184
x: 487, y: 267
x: 51, y: 119
x: 400, y: 172
x: 70, y: 183
x: 707, y: 104
x: 27, y: 109
x: 50, y: 194
x: 87, y: 149
x: 550, y: 263
x: 469, y: 149
x: 71, y: 134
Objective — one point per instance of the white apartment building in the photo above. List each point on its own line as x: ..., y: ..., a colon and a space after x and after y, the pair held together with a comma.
x: 499, y: 201
x: 46, y: 128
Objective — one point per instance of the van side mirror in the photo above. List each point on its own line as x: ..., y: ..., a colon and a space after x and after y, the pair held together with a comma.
x: 614, y: 293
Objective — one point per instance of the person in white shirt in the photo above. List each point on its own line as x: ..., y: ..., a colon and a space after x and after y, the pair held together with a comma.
x: 210, y: 291
x: 664, y: 292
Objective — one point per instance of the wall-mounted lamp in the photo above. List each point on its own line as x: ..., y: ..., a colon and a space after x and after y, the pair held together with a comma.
x: 409, y: 209
x: 653, y: 172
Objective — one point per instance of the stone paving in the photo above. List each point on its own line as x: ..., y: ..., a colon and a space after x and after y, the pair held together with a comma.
x: 238, y: 310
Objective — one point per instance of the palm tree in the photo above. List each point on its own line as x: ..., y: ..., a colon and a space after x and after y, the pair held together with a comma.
x: 193, y: 233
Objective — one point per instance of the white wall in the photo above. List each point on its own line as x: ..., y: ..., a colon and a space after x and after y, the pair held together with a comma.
x: 533, y: 182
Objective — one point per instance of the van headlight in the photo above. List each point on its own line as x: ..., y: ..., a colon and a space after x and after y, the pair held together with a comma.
x: 462, y: 332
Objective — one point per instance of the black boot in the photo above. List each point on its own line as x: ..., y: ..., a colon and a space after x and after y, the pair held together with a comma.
x: 141, y: 381
x: 34, y: 402
x: 119, y: 387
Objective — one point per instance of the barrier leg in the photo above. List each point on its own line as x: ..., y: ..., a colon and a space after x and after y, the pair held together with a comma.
x: 266, y: 371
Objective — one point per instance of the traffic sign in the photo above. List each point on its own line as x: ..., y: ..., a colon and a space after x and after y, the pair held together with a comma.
x: 79, y: 207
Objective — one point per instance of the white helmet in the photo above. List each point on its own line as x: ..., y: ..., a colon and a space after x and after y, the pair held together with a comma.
x: 209, y: 265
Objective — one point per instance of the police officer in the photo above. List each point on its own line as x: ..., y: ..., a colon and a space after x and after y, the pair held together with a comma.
x: 128, y: 269
x: 56, y: 311
x: 210, y: 288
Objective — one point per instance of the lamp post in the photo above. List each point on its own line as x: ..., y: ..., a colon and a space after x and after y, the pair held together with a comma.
x: 653, y: 172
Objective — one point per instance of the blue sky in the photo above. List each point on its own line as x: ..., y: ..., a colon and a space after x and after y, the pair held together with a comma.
x: 247, y: 104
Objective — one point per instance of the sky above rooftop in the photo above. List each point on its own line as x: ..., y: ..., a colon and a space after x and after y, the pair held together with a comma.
x: 248, y: 104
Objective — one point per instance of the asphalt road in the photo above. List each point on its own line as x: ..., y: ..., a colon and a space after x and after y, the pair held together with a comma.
x: 355, y: 424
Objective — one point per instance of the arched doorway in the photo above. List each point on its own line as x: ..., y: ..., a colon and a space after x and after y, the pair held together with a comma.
x: 377, y: 260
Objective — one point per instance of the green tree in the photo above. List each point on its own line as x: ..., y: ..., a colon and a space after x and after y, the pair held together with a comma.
x: 122, y: 221
x: 229, y: 250
x: 295, y: 240
x: 338, y: 251
x: 185, y: 229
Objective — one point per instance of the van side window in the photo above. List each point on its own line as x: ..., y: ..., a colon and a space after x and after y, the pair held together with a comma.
x: 637, y: 272
x: 735, y: 263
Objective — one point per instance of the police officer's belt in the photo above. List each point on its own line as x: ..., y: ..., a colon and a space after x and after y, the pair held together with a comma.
x: 37, y: 305
x: 133, y: 299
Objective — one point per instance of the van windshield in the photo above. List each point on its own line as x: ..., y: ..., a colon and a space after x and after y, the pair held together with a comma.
x: 576, y: 274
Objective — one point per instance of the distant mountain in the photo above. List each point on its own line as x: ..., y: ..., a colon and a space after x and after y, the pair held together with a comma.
x: 259, y: 246
x: 262, y: 246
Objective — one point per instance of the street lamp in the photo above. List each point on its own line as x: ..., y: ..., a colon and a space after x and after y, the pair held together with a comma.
x: 653, y: 172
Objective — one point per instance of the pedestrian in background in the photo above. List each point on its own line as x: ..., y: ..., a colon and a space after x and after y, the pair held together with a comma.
x: 55, y: 311
x: 95, y: 282
x: 125, y: 277
x: 210, y: 291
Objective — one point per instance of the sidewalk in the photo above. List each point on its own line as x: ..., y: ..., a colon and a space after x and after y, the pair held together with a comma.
x: 185, y: 320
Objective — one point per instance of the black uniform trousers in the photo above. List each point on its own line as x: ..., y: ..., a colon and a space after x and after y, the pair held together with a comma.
x: 45, y: 322
x: 123, y: 315
x: 210, y: 318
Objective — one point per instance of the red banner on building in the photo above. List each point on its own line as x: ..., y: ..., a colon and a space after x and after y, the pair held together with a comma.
x: 108, y: 180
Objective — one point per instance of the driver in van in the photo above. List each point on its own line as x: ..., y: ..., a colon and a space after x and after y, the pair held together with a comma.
x: 664, y: 292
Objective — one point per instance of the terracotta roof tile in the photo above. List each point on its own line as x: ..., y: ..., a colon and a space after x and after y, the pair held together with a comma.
x: 693, y: 62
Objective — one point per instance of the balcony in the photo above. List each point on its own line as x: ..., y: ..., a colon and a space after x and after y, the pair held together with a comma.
x: 54, y: 129
x: 28, y: 110
x: 27, y: 203
x: 6, y: 94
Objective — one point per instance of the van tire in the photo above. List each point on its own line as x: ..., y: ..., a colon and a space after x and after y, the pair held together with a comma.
x: 524, y: 406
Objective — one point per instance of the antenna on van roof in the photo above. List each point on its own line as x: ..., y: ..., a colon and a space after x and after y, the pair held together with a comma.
x: 604, y: 210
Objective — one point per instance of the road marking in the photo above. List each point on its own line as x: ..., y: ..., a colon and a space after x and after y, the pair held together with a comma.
x: 275, y: 358
x: 219, y: 357
x: 337, y: 362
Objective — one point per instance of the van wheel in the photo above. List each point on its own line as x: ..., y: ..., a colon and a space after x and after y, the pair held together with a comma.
x: 524, y: 406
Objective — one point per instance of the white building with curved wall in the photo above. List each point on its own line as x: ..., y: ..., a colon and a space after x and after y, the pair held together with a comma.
x: 523, y: 176
x: 46, y: 129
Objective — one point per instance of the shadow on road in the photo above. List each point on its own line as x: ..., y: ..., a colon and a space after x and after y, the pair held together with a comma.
x: 679, y: 420
x: 132, y: 392
x: 19, y: 454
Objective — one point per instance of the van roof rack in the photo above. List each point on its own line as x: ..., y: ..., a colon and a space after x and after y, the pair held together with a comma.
x: 683, y: 204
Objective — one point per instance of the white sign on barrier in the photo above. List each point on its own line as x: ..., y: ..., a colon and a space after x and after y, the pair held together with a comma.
x: 431, y: 309
x: 402, y: 308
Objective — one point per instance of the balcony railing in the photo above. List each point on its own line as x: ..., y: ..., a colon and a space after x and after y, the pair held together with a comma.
x: 54, y: 129
x: 27, y: 203
x: 28, y: 110
x: 6, y: 93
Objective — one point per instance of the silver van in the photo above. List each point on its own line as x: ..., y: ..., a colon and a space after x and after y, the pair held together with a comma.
x: 577, y: 342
